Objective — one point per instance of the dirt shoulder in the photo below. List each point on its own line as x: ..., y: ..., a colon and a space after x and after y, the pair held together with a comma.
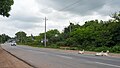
x: 9, y: 61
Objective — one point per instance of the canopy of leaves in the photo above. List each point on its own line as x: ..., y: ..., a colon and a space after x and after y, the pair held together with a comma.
x: 21, y: 36
x: 5, y: 7
x: 4, y: 38
x: 94, y: 35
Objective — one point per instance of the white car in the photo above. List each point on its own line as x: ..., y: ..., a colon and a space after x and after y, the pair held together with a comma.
x: 13, y: 44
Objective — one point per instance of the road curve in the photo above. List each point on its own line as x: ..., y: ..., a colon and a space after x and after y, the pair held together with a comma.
x: 51, y: 58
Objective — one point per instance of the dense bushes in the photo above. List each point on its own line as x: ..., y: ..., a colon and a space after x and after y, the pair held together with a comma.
x: 94, y: 35
x: 115, y: 49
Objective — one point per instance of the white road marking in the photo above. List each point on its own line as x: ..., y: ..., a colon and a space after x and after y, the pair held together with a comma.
x: 37, y: 52
x: 64, y: 56
x: 108, y: 64
x: 111, y: 65
x: 83, y: 56
x: 100, y: 58
x: 34, y: 51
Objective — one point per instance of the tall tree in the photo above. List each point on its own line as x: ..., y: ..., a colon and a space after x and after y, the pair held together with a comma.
x: 116, y: 16
x: 21, y: 36
x: 5, y: 7
x: 4, y: 38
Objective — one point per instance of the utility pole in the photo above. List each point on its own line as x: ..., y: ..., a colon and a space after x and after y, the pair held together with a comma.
x: 21, y: 38
x: 45, y: 33
x: 70, y: 26
x: 1, y: 40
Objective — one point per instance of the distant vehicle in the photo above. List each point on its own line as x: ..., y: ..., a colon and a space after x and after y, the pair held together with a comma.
x: 13, y: 44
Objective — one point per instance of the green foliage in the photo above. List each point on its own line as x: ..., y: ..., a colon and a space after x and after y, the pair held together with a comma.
x: 94, y: 35
x: 53, y: 46
x: 52, y: 36
x: 61, y: 43
x: 21, y: 37
x: 70, y: 42
x: 103, y: 48
x: 73, y: 48
x: 116, y: 16
x: 33, y: 43
x: 116, y: 48
x: 4, y: 38
x: 5, y: 7
x: 52, y: 33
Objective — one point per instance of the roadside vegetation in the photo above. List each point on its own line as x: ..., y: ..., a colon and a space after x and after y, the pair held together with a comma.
x: 94, y: 35
x: 4, y: 38
x: 5, y: 7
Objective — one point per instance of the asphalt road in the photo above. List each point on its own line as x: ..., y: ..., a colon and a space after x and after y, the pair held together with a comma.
x: 52, y: 58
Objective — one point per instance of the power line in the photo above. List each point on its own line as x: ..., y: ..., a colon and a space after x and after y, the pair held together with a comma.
x: 69, y: 5
x: 75, y: 3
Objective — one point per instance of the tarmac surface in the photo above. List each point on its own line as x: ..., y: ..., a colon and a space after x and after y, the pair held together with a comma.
x: 55, y: 58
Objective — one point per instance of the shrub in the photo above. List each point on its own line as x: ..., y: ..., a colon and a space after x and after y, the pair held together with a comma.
x: 60, y: 43
x: 73, y: 48
x: 53, y: 46
x: 116, y: 49
x: 101, y: 49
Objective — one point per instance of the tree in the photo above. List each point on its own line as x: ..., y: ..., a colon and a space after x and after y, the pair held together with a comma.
x: 116, y: 16
x: 5, y: 7
x: 4, y: 38
x: 51, y: 35
x: 21, y: 36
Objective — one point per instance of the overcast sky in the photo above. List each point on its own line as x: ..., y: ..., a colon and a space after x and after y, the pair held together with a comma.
x: 28, y: 15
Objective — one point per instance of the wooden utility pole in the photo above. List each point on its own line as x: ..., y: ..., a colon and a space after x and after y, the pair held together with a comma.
x: 45, y: 33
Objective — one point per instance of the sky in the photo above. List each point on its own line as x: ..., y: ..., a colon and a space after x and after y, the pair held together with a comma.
x: 28, y: 15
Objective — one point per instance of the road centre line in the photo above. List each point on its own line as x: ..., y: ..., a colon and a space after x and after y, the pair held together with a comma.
x: 64, y: 56
x: 108, y: 64
x: 99, y: 57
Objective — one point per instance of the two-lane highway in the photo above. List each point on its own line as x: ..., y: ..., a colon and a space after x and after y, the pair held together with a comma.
x: 52, y: 58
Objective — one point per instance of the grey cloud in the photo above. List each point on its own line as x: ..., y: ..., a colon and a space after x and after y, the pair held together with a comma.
x: 83, y: 7
x: 21, y: 11
x: 26, y: 18
x: 29, y: 16
x: 22, y: 25
x: 110, y: 7
x: 25, y: 26
x: 46, y: 11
